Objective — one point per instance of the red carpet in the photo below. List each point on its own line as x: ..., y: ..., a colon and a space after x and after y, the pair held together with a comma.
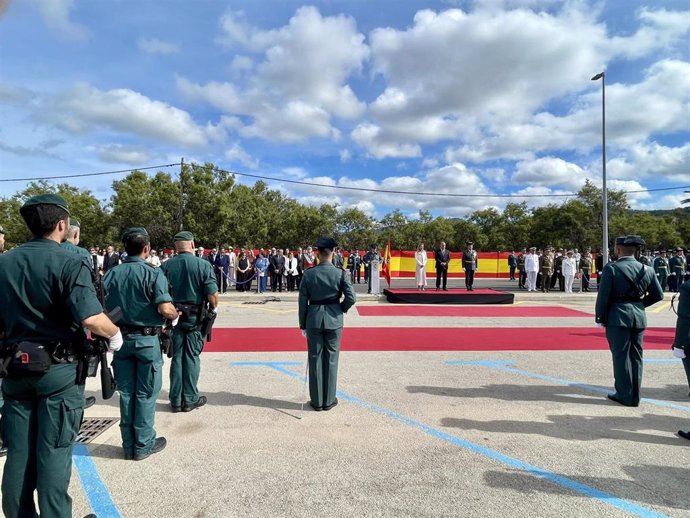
x: 468, y: 311
x: 432, y: 339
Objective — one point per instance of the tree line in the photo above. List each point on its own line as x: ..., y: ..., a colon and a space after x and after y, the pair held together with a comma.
x: 221, y: 212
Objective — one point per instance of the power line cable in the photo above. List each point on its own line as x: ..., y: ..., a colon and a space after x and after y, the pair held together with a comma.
x: 84, y: 175
x: 453, y: 195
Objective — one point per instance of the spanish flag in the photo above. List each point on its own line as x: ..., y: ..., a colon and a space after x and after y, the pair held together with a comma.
x: 386, y: 268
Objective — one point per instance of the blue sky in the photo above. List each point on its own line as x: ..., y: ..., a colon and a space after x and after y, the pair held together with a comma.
x: 482, y: 98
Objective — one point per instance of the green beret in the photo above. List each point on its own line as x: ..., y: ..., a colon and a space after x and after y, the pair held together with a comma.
x: 46, y: 199
x: 132, y: 232
x: 326, y: 242
x: 185, y: 235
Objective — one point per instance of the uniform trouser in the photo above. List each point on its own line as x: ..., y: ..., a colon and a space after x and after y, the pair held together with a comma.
x: 673, y: 282
x: 359, y: 275
x: 522, y: 278
x: 40, y: 421
x: 545, y: 281
x: 441, y: 274
x: 626, y: 350
x: 558, y: 277
x: 512, y: 273
x: 663, y: 280
x: 138, y: 367
x: 585, y: 280
x: 324, y: 349
x: 367, y: 270
x: 686, y: 364
x: 569, y: 279
x: 185, y: 367
x: 532, y: 280
x: 469, y: 278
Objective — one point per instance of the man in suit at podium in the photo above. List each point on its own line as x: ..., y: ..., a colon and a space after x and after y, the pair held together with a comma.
x: 442, y: 256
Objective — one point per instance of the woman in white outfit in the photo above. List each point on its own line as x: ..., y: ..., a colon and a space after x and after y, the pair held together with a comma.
x: 569, y: 268
x: 420, y: 271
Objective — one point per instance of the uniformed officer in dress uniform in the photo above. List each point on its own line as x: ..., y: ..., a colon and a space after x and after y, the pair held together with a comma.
x: 141, y: 291
x: 47, y: 301
x: 321, y: 321
x: 470, y: 264
x: 193, y: 283
x: 647, y: 258
x: 626, y: 289
x: 585, y: 268
x: 677, y: 267
x: 546, y: 268
x: 661, y: 269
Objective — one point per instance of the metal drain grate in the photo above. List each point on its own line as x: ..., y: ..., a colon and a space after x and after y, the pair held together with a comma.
x: 92, y: 427
x: 255, y: 302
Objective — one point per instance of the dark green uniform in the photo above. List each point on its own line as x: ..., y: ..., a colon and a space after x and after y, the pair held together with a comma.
x: 321, y: 315
x: 677, y: 267
x: 585, y: 268
x: 661, y: 268
x: 546, y: 270
x: 192, y: 280
x: 682, y: 338
x: 81, y: 252
x: 622, y: 312
x: 46, y: 293
x: 137, y: 288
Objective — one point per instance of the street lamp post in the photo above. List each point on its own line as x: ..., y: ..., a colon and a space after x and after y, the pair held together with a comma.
x: 605, y: 198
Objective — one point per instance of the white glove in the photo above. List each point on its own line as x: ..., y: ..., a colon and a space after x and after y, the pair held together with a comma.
x: 678, y: 353
x: 599, y: 324
x: 214, y: 311
x: 175, y: 321
x: 304, y: 332
x: 115, y: 342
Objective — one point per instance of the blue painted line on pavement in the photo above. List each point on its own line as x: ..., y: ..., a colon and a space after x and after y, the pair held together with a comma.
x: 259, y: 364
x: 662, y: 360
x: 98, y: 495
x: 503, y: 367
x: 494, y: 455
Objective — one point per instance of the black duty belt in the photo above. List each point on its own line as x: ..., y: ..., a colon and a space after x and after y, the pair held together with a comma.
x: 324, y: 302
x: 141, y: 330
x: 622, y: 298
x: 57, y: 349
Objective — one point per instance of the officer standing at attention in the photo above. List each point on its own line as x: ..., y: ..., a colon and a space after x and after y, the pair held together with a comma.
x: 681, y: 342
x: 141, y: 291
x: 585, y: 268
x: 3, y: 450
x: 470, y: 264
x: 47, y: 299
x: 546, y: 268
x: 193, y: 283
x: 661, y: 268
x: 321, y: 321
x: 625, y: 290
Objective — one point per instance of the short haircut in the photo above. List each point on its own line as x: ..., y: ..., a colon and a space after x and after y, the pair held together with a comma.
x: 42, y: 219
x: 135, y: 244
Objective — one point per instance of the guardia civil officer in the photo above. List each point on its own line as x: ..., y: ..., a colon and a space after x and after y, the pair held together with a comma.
x: 681, y: 342
x: 321, y: 321
x: 3, y: 450
x: 193, y: 283
x: 47, y: 301
x: 141, y: 291
x: 71, y: 245
x: 626, y: 288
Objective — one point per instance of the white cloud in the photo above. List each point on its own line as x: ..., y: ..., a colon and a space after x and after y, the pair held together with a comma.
x: 370, y: 137
x: 156, y: 46
x: 56, y: 16
x: 122, y: 154
x: 549, y: 171
x: 85, y: 108
x: 345, y: 155
x: 15, y: 95
x: 237, y: 154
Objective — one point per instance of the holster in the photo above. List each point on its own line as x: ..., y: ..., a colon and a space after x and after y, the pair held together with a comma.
x: 208, y: 317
